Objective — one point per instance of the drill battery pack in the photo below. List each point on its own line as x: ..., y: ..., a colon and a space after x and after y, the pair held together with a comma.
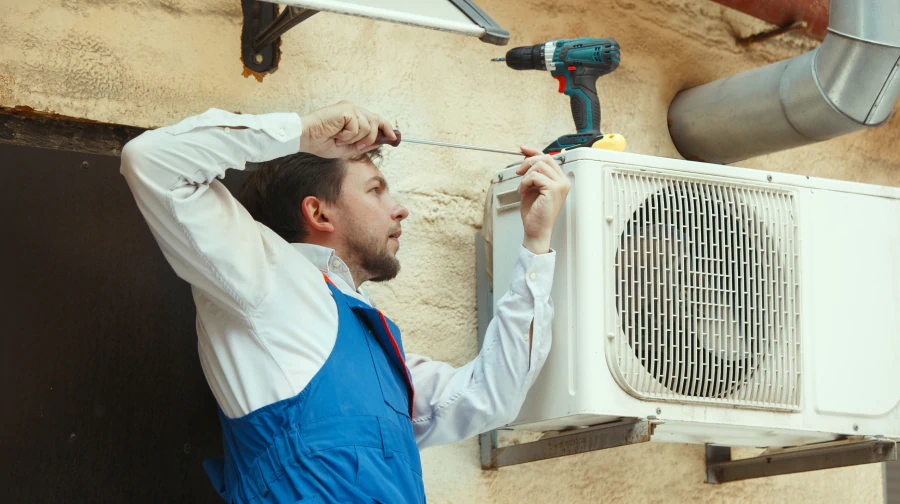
x: 611, y: 141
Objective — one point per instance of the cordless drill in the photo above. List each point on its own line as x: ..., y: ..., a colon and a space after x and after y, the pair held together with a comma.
x: 576, y: 64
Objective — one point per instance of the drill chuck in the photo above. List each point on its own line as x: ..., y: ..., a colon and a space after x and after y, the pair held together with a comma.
x: 526, y: 58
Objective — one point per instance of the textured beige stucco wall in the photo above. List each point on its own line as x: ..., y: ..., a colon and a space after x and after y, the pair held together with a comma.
x: 152, y: 62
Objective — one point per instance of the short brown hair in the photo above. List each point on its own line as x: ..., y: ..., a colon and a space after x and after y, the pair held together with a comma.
x: 273, y: 193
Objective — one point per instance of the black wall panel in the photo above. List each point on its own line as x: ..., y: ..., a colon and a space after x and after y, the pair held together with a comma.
x: 103, y: 396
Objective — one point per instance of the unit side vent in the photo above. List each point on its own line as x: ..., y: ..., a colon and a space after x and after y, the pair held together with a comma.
x: 706, y: 291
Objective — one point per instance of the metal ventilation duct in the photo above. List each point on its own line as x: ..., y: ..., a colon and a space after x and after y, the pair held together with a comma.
x: 850, y: 82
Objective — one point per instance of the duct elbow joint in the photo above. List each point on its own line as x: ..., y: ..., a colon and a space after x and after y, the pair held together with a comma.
x: 848, y: 83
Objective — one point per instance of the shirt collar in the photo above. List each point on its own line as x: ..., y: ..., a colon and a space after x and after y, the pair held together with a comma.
x: 330, y: 264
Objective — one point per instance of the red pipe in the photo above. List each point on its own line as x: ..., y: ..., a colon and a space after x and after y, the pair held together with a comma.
x: 785, y: 12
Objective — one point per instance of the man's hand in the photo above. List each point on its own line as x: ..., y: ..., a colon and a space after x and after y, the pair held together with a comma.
x: 543, y: 188
x: 342, y: 130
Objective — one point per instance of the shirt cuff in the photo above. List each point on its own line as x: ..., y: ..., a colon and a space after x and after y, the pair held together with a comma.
x: 533, y: 274
x: 286, y: 128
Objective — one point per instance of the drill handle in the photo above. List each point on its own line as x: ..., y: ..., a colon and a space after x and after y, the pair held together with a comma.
x: 582, y: 91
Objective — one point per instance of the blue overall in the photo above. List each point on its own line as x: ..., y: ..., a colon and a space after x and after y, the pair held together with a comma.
x: 347, y: 437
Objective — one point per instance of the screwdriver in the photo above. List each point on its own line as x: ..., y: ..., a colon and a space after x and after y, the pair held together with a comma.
x: 384, y: 140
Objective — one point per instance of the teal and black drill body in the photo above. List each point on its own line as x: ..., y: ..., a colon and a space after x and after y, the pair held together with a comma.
x: 576, y: 64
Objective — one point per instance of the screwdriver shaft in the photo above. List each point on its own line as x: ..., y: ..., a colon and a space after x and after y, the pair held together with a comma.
x: 382, y: 139
x: 462, y: 146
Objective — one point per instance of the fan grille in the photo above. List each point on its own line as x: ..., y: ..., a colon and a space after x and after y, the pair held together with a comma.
x: 706, y: 291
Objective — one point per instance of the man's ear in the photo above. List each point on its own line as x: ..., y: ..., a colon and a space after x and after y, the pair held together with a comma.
x: 314, y: 214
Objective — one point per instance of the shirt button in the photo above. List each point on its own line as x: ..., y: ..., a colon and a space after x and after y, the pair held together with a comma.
x: 532, y: 276
x: 336, y: 263
x: 281, y: 132
x: 525, y: 336
x: 227, y: 130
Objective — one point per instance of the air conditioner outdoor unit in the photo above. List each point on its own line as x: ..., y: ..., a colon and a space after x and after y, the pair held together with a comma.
x: 737, y: 307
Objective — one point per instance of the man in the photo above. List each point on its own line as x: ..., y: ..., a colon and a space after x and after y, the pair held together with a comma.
x: 316, y: 396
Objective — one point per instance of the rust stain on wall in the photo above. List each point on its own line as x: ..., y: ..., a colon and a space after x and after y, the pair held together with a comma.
x: 25, y: 126
x: 248, y: 72
x: 29, y: 112
x: 7, y: 88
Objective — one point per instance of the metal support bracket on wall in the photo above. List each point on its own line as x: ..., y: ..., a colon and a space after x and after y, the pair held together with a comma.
x: 624, y: 432
x: 263, y: 28
x: 720, y: 468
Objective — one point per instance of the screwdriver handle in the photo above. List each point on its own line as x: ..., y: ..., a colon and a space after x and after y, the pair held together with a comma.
x: 382, y: 139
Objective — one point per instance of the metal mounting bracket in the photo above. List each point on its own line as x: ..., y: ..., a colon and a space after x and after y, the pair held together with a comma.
x: 263, y: 28
x: 623, y: 432
x: 720, y: 468
x: 493, y: 34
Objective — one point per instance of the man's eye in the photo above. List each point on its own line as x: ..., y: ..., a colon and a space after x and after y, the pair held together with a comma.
x: 374, y: 189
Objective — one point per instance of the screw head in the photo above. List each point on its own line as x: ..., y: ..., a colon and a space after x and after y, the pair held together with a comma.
x: 855, y: 427
x: 609, y: 219
x: 659, y: 411
x: 610, y: 335
x: 85, y: 165
x: 258, y: 59
x: 72, y: 437
x: 769, y: 178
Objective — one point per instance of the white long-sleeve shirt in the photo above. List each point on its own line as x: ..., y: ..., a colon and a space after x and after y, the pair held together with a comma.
x: 266, y: 321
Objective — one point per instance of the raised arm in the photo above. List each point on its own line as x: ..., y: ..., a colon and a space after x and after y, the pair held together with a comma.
x: 206, y: 235
x: 454, y: 404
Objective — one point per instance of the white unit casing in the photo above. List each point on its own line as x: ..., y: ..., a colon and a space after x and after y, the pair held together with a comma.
x: 736, y: 306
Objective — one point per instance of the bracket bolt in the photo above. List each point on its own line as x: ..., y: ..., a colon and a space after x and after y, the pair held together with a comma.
x: 855, y: 427
x: 769, y: 178
x: 659, y: 411
x: 258, y: 58
x: 85, y: 165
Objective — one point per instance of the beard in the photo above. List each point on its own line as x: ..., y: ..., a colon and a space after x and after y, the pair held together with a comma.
x: 372, y: 255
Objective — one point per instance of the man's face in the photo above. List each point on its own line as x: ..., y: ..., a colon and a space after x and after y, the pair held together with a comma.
x: 368, y: 219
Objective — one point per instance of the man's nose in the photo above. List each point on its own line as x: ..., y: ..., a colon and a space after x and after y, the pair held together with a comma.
x: 400, y: 212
